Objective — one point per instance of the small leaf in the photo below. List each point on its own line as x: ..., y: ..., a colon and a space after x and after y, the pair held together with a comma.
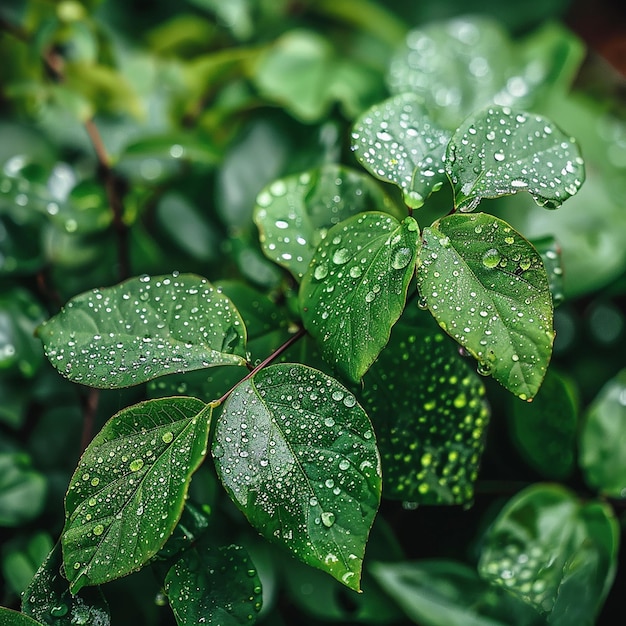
x: 297, y: 455
x: 429, y: 413
x: 22, y: 557
x: 355, y: 288
x: 293, y: 214
x: 217, y: 586
x: 398, y: 142
x: 143, y: 328
x: 499, y: 151
x: 13, y: 618
x: 128, y: 492
x: 488, y: 289
x: 603, y: 439
x: 22, y: 489
x: 542, y: 537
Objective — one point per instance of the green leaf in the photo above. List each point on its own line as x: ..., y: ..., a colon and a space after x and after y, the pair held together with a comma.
x: 13, y: 618
x: 487, y: 287
x: 294, y: 214
x: 544, y: 430
x: 449, y: 593
x: 22, y: 489
x: 297, y: 455
x: 217, y: 586
x: 143, y: 328
x: 429, y: 414
x: 48, y: 598
x: 398, y: 142
x: 128, y: 492
x: 189, y: 529
x: 21, y: 558
x: 542, y: 541
x: 499, y: 151
x: 603, y: 439
x: 355, y: 288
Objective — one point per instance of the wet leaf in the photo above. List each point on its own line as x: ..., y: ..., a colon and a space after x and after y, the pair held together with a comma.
x: 143, y: 328
x: 217, y: 586
x: 13, y: 618
x: 398, y: 142
x: 297, y: 455
x: 499, y: 151
x: 429, y: 413
x: 48, y: 598
x: 128, y: 492
x: 189, y: 529
x: 544, y: 430
x: 293, y: 214
x: 355, y: 288
x: 487, y: 287
x: 22, y: 489
x: 603, y: 439
x: 542, y: 539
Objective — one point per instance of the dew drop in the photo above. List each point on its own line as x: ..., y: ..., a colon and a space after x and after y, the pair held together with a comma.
x: 328, y: 518
x: 136, y: 465
x: 321, y: 271
x: 167, y: 437
x: 98, y: 530
x: 356, y: 271
x: 344, y: 464
x: 341, y: 256
x: 491, y: 258
x: 400, y: 258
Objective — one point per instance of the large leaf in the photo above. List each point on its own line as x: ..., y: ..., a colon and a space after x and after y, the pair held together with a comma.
x: 499, y: 151
x: 397, y: 141
x: 297, y: 455
x: 540, y: 546
x: 143, y: 328
x: 355, y: 288
x: 217, y: 586
x: 294, y: 213
x: 488, y: 289
x: 128, y: 491
x: 13, y: 618
x: 430, y: 415
x: 603, y: 439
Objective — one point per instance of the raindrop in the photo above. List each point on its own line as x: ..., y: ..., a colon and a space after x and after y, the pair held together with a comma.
x: 384, y: 135
x: 167, y: 437
x: 59, y: 611
x: 401, y: 258
x: 344, y: 464
x: 491, y: 258
x: 328, y: 518
x: 484, y: 369
x: 355, y: 271
x: 321, y: 271
x: 98, y: 530
x: 136, y: 465
x: 341, y: 256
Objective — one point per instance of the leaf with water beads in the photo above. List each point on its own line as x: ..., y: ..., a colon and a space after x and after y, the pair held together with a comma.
x: 499, y: 151
x: 217, y: 586
x: 297, y: 455
x: 143, y: 328
x: 129, y: 489
x: 430, y: 415
x: 487, y: 288
x: 293, y: 214
x: 398, y: 142
x: 355, y: 288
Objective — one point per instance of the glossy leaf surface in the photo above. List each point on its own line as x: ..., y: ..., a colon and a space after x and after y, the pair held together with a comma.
x: 488, y: 289
x: 499, y: 151
x: 218, y: 586
x: 143, y: 328
x: 355, y: 288
x: 297, y: 455
x: 429, y: 413
x: 294, y: 214
x: 398, y: 142
x: 128, y: 491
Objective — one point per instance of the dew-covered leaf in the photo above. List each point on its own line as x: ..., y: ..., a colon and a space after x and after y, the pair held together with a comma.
x: 540, y: 540
x: 293, y: 214
x: 297, y: 455
x: 143, y: 328
x: 22, y: 489
x: 128, y: 492
x: 398, y: 142
x: 48, y: 598
x: 8, y: 617
x: 499, y: 151
x: 355, y: 288
x: 544, y: 430
x: 487, y: 287
x: 218, y: 586
x: 550, y: 253
x: 429, y: 413
x: 603, y: 439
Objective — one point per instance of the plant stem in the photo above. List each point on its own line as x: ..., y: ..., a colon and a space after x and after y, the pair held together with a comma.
x: 293, y: 339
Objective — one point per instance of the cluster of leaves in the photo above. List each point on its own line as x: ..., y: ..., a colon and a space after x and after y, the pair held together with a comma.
x: 352, y: 332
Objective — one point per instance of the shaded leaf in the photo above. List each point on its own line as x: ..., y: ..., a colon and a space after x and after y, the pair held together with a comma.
x: 355, y: 288
x: 143, y: 328
x: 398, y: 142
x: 189, y: 529
x: 22, y: 557
x: 294, y: 214
x: 499, y: 151
x: 217, y: 586
x: 550, y: 252
x: 487, y: 287
x: 297, y: 455
x: 13, y: 618
x: 22, y: 489
x: 128, y: 492
x: 429, y: 414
